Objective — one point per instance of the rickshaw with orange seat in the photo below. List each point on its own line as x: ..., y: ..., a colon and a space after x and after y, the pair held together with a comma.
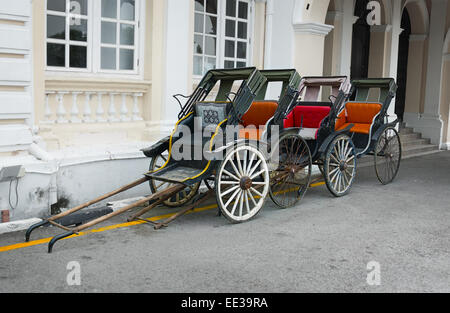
x: 372, y: 133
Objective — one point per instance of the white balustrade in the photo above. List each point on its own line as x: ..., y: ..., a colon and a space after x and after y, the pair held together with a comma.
x: 93, y: 109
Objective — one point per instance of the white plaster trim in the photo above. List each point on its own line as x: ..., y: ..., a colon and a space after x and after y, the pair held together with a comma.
x: 313, y: 28
x: 18, y: 225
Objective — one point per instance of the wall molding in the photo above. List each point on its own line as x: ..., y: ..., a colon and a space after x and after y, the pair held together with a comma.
x: 313, y: 28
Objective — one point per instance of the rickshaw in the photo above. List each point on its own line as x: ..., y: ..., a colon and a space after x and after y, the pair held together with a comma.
x: 209, y: 110
x: 315, y: 121
x: 372, y: 133
x: 255, y: 130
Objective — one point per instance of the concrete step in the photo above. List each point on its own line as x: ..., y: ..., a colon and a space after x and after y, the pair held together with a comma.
x: 406, y: 130
x: 415, y: 142
x: 407, y: 153
x: 406, y: 137
x: 412, y: 150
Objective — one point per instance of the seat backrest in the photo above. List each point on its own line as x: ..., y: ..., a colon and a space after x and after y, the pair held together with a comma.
x: 310, y: 116
x: 259, y: 113
x: 211, y: 113
x: 362, y: 112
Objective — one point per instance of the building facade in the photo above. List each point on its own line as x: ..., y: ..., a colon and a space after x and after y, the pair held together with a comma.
x: 85, y: 84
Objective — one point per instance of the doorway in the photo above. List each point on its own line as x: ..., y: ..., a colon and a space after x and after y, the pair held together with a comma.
x: 402, y: 67
x: 360, y: 42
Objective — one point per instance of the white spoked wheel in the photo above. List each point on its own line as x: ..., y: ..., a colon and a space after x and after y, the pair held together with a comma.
x: 340, y: 165
x: 242, y: 183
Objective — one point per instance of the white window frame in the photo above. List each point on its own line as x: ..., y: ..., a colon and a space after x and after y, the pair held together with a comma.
x: 94, y: 44
x: 67, y: 42
x: 221, y: 37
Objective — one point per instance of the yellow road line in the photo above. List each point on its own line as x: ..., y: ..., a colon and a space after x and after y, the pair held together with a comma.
x: 116, y: 226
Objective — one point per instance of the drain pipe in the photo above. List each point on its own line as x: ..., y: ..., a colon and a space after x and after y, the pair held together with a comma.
x: 42, y: 155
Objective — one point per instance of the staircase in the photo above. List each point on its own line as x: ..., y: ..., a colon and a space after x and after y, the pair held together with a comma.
x: 413, y: 145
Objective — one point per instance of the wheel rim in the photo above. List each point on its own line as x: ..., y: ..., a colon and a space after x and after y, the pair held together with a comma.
x: 289, y: 182
x: 242, y: 184
x: 388, y: 156
x: 178, y: 199
x: 340, y: 166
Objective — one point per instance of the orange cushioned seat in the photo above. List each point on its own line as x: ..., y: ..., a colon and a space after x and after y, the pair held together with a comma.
x: 361, y: 114
x: 255, y: 118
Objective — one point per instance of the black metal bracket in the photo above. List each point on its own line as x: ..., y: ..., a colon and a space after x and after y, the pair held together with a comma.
x: 33, y: 227
x: 58, y: 237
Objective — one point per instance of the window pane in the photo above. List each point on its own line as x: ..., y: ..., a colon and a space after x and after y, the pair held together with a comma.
x: 243, y: 9
x: 240, y: 64
x: 79, y: 32
x: 210, y: 63
x: 198, y: 27
x: 198, y: 44
x: 211, y: 6
x: 126, y: 34
x: 200, y: 5
x: 79, y: 7
x: 211, y: 25
x: 242, y: 30
x: 231, y: 8
x: 127, y: 9
x: 229, y: 64
x: 109, y: 32
x: 229, y: 48
x: 230, y: 28
x: 108, y: 58
x: 210, y: 45
x: 241, y: 50
x: 78, y: 56
x: 56, y: 5
x: 56, y: 55
x: 126, y: 59
x: 109, y: 8
x: 198, y: 65
x: 56, y: 27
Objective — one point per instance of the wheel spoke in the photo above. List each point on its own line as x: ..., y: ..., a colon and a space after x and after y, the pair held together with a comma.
x: 254, y: 168
x: 249, y: 166
x: 239, y: 163
x: 229, y: 190
x: 231, y: 175
x: 232, y: 197
x: 257, y: 174
x: 236, y: 202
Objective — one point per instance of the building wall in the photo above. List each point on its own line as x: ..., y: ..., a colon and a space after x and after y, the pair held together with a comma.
x: 16, y: 67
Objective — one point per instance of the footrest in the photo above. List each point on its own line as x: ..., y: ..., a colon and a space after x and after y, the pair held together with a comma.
x: 175, y: 174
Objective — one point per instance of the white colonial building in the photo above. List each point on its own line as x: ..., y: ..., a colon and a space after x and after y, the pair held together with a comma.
x: 84, y: 84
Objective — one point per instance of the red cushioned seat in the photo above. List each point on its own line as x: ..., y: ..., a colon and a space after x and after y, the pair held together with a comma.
x: 312, y: 118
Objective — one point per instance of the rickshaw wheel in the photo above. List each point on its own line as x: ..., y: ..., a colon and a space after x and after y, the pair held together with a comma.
x: 292, y: 176
x: 340, y: 165
x: 387, y: 156
x: 242, y: 183
x: 180, y: 198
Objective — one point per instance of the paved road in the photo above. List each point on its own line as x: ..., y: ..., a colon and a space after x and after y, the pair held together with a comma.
x: 322, y: 245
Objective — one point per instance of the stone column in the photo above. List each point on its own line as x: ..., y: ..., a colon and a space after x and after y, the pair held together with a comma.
x: 309, y: 45
x: 348, y: 19
x: 431, y: 123
x: 332, y: 56
x: 414, y: 85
